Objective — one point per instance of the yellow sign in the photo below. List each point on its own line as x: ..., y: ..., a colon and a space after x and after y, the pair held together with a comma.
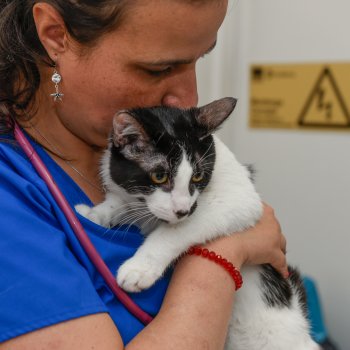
x: 300, y: 96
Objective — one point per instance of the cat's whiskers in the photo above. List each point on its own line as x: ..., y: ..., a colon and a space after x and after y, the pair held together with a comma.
x: 160, y: 137
x: 207, y: 167
x: 152, y: 218
x: 137, y: 211
x: 171, y: 149
x: 205, y: 153
x: 206, y: 171
x: 208, y: 163
x: 204, y: 156
x: 138, y: 218
x: 206, y: 160
x: 130, y: 204
x: 136, y: 205
x: 203, y: 159
x: 130, y: 214
x: 161, y: 210
x: 118, y: 231
x: 147, y: 219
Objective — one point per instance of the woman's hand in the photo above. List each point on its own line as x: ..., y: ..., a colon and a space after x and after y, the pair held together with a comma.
x: 265, y: 243
x: 262, y: 244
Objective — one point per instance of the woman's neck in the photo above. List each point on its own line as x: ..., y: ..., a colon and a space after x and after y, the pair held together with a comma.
x: 77, y: 158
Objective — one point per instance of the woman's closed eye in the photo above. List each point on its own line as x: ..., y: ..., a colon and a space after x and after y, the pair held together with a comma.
x: 159, y: 72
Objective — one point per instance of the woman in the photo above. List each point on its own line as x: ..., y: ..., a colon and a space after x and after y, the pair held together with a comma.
x: 110, y: 55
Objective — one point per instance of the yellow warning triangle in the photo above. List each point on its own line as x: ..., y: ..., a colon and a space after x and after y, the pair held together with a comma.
x: 325, y: 106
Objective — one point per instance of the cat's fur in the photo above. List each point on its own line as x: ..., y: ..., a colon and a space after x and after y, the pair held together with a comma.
x: 269, y: 311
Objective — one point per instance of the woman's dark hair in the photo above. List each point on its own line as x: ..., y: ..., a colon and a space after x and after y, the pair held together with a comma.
x: 21, y: 50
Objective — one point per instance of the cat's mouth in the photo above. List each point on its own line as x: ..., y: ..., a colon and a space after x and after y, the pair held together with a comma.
x: 179, y: 216
x: 172, y: 221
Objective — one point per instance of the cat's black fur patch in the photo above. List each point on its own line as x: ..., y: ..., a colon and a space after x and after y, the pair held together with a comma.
x: 299, y: 289
x: 252, y: 172
x: 193, y: 208
x: 278, y: 291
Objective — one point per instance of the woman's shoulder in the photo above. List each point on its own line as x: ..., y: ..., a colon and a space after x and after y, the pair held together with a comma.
x: 10, y: 150
x: 42, y: 281
x: 13, y: 159
x: 17, y: 171
x: 20, y: 185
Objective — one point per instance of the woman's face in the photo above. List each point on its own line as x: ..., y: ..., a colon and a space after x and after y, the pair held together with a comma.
x: 149, y: 60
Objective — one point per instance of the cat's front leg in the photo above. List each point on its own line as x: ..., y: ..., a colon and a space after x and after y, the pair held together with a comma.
x: 105, y: 213
x: 138, y: 273
x: 158, y: 251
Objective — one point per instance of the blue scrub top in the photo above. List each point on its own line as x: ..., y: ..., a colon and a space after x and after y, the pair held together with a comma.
x: 45, y: 275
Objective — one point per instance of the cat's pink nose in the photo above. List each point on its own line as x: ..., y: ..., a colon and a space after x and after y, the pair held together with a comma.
x: 181, y: 213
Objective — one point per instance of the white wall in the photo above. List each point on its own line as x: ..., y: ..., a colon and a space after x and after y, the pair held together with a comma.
x: 305, y: 175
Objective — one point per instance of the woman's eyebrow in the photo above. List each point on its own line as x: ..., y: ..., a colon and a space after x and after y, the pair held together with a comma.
x: 174, y: 62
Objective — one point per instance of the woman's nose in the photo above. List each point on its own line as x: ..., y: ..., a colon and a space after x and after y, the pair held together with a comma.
x: 182, y: 91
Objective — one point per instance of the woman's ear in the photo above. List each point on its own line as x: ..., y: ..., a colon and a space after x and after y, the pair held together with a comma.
x: 50, y: 28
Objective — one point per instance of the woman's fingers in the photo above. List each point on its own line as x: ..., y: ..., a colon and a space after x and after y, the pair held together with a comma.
x: 280, y: 264
x: 283, y: 244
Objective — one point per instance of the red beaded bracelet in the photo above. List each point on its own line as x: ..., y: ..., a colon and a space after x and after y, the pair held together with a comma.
x: 205, y: 253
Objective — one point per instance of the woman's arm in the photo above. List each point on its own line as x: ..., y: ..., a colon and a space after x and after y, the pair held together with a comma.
x: 194, y: 315
x: 198, y: 304
x: 196, y: 309
x: 195, y: 312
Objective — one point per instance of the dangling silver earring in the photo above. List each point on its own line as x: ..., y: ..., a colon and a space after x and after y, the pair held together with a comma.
x: 56, y: 79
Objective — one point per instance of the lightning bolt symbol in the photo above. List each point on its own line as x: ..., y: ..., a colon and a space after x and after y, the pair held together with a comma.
x: 323, y: 105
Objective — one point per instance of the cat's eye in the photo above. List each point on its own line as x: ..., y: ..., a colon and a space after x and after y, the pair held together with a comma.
x: 198, y: 177
x: 159, y: 178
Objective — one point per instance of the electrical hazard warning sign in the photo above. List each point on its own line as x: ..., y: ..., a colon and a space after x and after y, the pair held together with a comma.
x: 300, y: 96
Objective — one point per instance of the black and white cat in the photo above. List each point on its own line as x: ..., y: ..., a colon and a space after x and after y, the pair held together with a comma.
x: 166, y: 172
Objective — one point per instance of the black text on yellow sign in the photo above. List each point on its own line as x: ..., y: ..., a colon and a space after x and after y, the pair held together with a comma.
x: 303, y: 96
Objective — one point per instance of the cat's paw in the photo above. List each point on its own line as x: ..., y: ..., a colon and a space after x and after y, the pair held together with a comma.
x: 138, y: 274
x: 89, y: 213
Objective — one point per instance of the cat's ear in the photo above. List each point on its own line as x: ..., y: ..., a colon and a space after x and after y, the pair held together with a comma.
x: 212, y: 115
x: 127, y: 130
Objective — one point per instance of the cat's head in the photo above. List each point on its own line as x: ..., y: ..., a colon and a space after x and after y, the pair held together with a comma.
x: 165, y: 156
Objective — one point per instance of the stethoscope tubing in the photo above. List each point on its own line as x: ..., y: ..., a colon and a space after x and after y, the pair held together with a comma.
x: 79, y: 231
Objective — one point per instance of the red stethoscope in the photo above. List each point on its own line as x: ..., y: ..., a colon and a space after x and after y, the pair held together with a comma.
x: 78, y: 229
